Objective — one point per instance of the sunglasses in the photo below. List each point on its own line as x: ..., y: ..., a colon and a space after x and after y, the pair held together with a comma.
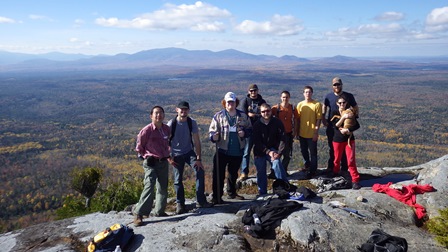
x: 340, y: 103
x: 253, y: 90
x: 336, y: 85
x: 265, y: 111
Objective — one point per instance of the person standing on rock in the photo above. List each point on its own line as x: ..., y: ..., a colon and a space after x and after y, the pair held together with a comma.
x: 328, y: 108
x: 153, y: 147
x: 309, y: 117
x: 184, y: 137
x: 269, y: 144
x: 287, y: 114
x: 251, y: 106
x: 344, y: 140
x: 228, y: 130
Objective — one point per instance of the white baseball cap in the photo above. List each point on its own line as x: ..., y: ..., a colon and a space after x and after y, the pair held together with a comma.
x: 230, y: 96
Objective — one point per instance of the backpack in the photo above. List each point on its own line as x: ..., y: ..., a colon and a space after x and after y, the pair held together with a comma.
x: 326, y: 184
x: 269, y: 216
x: 108, y: 239
x: 380, y: 241
x: 173, y: 128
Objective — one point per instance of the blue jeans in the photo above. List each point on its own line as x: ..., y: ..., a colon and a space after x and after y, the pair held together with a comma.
x: 262, y: 178
x: 305, y: 145
x: 178, y: 172
x: 246, y: 156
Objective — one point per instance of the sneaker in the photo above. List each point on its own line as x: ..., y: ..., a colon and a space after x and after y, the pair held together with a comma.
x: 204, y: 205
x: 356, y: 186
x: 138, y: 221
x: 243, y: 176
x: 235, y: 196
x: 180, y: 208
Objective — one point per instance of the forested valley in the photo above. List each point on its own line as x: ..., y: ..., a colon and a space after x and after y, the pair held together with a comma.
x: 53, y: 122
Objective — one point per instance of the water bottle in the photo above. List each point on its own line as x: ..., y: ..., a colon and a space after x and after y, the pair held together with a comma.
x: 257, y: 220
x: 117, y: 249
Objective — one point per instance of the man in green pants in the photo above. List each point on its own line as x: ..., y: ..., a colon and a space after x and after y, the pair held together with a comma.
x: 153, y: 147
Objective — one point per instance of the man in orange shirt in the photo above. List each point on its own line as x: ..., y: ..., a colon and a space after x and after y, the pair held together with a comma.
x: 287, y: 114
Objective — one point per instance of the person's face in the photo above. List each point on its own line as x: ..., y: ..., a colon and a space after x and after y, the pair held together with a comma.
x: 307, y: 93
x: 182, y: 112
x: 341, y: 103
x: 157, y: 115
x: 285, y: 98
x: 265, y: 113
x: 337, y: 87
x: 253, y: 93
x: 230, y: 105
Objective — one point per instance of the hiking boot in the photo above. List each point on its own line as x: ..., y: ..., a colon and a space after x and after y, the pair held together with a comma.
x: 217, y: 201
x: 180, y: 208
x: 235, y: 196
x: 243, y: 176
x: 204, y: 205
x: 356, y: 186
x: 138, y: 221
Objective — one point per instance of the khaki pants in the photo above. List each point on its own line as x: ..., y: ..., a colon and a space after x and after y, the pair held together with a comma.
x: 156, y: 176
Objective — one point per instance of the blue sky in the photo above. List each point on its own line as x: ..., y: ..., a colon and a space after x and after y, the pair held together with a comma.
x: 318, y: 28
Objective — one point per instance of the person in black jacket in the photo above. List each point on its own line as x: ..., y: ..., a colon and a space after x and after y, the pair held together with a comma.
x: 269, y: 144
x: 342, y: 137
x: 251, y: 106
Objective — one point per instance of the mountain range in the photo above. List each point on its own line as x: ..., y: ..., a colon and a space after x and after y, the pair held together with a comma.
x: 175, y: 57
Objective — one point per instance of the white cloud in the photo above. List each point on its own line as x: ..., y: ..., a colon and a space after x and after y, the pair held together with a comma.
x: 368, y: 30
x: 437, y: 20
x: 198, y: 17
x: 278, y: 25
x: 5, y: 20
x: 39, y: 17
x: 390, y: 16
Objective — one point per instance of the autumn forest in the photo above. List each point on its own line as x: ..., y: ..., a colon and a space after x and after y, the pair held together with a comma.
x: 53, y: 122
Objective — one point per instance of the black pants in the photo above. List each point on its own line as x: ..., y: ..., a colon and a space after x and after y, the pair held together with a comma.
x: 219, y: 173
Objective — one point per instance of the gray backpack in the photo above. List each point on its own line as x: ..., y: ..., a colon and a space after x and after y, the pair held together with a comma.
x: 327, y: 184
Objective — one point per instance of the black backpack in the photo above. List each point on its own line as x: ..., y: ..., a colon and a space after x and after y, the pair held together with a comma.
x: 270, y: 215
x: 326, y: 184
x: 173, y: 128
x: 380, y: 241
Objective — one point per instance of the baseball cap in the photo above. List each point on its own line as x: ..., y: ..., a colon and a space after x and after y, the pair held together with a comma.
x: 184, y: 105
x: 230, y: 96
x: 337, y: 80
x: 253, y: 86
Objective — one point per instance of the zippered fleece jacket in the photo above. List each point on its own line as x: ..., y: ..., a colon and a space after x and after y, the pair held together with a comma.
x: 268, y: 136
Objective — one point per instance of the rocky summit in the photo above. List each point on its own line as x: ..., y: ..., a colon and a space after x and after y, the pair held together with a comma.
x: 319, y: 225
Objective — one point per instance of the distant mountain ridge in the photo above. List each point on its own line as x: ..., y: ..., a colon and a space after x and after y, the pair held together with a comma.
x: 158, y: 58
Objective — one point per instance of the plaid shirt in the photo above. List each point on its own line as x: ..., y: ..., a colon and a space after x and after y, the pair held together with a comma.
x: 220, y: 123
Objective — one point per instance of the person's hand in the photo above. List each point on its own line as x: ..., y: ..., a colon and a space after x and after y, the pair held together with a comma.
x: 315, y: 137
x: 344, y: 131
x: 198, y: 165
x: 215, y: 137
x: 241, y: 132
x: 250, y: 114
x: 171, y: 161
x: 324, y: 122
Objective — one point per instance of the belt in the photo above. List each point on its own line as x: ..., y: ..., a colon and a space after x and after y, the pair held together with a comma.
x: 158, y: 159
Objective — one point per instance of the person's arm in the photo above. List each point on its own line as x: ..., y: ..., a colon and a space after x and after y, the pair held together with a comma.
x: 213, y: 129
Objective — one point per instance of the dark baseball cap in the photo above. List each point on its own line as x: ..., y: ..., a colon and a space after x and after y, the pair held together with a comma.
x: 184, y: 105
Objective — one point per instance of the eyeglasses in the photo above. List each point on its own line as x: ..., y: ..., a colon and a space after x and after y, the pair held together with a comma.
x: 265, y: 111
x: 336, y: 84
x: 253, y: 90
x: 340, y: 103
